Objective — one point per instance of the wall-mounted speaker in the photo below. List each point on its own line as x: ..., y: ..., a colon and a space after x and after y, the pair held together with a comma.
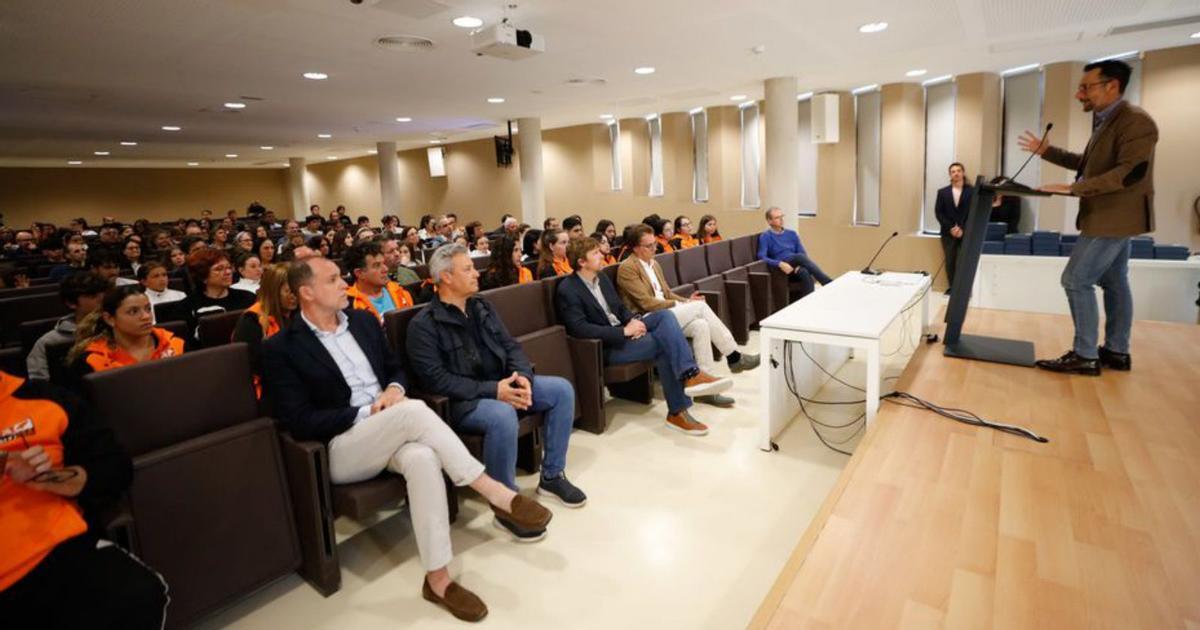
x: 825, y: 118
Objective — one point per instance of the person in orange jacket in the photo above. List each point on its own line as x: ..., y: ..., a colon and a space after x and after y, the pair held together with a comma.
x: 59, y: 470
x: 372, y: 290
x: 120, y: 333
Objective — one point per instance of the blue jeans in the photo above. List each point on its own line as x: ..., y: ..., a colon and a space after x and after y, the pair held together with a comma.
x: 497, y: 422
x: 664, y: 342
x: 1104, y: 262
x: 803, y: 263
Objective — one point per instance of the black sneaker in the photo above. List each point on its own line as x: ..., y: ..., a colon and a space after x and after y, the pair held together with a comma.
x: 518, y: 533
x: 1115, y: 360
x: 1071, y: 363
x: 563, y: 490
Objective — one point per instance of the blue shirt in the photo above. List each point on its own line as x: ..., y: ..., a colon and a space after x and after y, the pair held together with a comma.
x: 1103, y: 115
x: 775, y: 248
x: 352, y: 363
x: 383, y: 303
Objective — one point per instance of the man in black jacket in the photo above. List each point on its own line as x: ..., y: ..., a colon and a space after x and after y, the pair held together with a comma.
x: 589, y: 307
x: 459, y: 348
x: 59, y: 470
x: 332, y: 379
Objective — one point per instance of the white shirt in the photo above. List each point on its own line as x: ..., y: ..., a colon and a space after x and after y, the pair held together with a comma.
x: 352, y: 363
x: 956, y: 193
x: 475, y: 253
x: 165, y: 296
x: 246, y: 284
x: 593, y: 285
x: 649, y: 269
x: 122, y: 281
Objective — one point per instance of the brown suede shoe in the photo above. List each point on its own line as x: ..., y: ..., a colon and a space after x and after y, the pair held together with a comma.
x: 705, y: 384
x: 460, y: 602
x: 684, y: 423
x: 526, y: 513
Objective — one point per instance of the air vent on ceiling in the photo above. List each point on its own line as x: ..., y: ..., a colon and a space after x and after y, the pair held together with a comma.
x: 587, y: 82
x: 418, y: 9
x: 1149, y: 26
x: 406, y: 43
x: 251, y: 98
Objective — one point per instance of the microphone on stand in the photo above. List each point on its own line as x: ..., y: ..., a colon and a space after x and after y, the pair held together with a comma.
x: 1012, y: 181
x: 868, y: 271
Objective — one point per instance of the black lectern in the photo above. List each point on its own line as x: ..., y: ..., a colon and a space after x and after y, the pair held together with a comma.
x: 979, y: 347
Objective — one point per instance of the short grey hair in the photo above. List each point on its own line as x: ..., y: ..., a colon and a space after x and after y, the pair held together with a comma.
x: 441, y: 258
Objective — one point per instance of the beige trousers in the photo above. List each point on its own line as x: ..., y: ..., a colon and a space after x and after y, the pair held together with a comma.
x: 702, y: 326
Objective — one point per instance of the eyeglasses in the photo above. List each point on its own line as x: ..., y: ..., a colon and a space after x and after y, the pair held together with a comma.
x: 1083, y: 87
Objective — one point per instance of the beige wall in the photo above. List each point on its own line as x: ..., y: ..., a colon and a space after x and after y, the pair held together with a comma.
x: 1171, y: 94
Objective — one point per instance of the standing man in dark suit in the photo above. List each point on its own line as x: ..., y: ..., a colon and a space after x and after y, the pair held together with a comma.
x: 1114, y: 179
x: 951, y: 210
x: 332, y: 379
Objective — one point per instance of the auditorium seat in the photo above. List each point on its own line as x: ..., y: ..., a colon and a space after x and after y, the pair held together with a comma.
x: 15, y: 310
x: 735, y: 295
x: 720, y: 261
x: 217, y: 329
x: 745, y: 254
x: 481, y: 262
x: 33, y: 330
x: 32, y: 289
x: 209, y: 500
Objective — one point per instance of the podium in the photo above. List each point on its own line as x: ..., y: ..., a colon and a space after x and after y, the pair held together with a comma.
x: 979, y: 347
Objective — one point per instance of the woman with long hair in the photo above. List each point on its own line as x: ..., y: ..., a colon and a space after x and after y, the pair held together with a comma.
x: 131, y: 255
x: 249, y: 271
x: 605, y: 248
x: 708, y: 229
x: 607, y: 228
x: 267, y: 316
x: 531, y: 243
x: 628, y: 241
x: 120, y: 333
x: 683, y: 234
x: 266, y: 251
x: 552, y: 259
x: 664, y: 231
x: 505, y: 267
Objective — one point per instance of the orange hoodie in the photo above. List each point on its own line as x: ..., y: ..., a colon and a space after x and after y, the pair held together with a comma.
x: 359, y: 300
x: 101, y: 355
x: 32, y: 522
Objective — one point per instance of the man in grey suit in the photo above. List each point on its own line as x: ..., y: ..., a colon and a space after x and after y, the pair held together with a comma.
x: 1114, y: 179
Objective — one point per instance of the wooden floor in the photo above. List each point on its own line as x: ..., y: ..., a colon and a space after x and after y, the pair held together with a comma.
x: 937, y: 524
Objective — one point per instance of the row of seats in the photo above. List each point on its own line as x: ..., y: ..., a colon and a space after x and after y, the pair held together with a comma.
x: 223, y: 502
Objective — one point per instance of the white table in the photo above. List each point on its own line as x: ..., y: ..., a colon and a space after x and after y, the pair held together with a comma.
x: 851, y: 313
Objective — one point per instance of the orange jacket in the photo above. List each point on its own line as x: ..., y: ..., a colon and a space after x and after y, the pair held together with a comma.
x: 685, y: 242
x: 711, y: 239
x: 272, y: 323
x: 664, y: 243
x: 32, y: 522
x: 101, y: 355
x: 359, y: 300
x: 524, y: 275
x: 562, y: 267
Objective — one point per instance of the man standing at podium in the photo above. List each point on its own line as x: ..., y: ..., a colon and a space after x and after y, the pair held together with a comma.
x: 1114, y: 179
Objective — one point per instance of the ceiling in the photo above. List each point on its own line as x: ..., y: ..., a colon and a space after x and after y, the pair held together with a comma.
x: 79, y: 76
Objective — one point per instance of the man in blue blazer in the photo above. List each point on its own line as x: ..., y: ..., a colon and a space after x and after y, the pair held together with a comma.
x: 332, y: 379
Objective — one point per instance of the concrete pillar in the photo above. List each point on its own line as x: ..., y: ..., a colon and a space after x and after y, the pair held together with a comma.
x: 389, y: 177
x: 533, y: 185
x: 297, y: 192
x: 782, y: 173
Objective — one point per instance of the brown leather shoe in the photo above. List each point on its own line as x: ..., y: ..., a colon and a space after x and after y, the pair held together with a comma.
x: 526, y: 513
x: 704, y: 384
x: 460, y: 602
x: 684, y: 423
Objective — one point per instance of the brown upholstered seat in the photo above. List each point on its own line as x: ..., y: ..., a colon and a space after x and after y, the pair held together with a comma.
x: 15, y: 310
x: 692, y: 266
x: 217, y: 329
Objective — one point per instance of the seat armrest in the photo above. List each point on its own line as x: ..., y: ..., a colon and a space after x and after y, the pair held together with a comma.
x: 118, y: 525
x: 437, y: 402
x: 587, y: 359
x: 713, y: 298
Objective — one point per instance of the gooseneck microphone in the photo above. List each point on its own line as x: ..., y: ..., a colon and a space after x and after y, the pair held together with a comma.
x: 868, y: 271
x: 1012, y: 181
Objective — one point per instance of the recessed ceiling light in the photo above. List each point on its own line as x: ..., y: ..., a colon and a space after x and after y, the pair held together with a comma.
x: 235, y: 105
x: 171, y: 128
x: 100, y: 152
x: 467, y: 21
x: 74, y: 162
x: 404, y: 119
x: 193, y: 164
x: 267, y: 147
x: 495, y: 100
x: 331, y: 157
x: 1195, y: 35
x: 738, y: 97
x: 324, y: 136
x: 644, y: 70
x: 606, y: 116
x: 316, y: 76
x: 916, y: 73
x: 128, y: 143
x: 231, y: 155
x: 873, y: 27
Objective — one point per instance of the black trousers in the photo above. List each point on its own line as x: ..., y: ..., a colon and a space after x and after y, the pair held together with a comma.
x: 950, y: 247
x: 81, y: 586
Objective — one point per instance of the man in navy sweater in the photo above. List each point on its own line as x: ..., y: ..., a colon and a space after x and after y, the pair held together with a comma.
x: 781, y: 248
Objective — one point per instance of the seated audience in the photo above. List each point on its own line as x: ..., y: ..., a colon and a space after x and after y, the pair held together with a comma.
x: 312, y: 227
x: 605, y: 248
x: 459, y: 348
x: 291, y: 227
x: 243, y: 242
x: 266, y: 251
x: 319, y: 244
x: 643, y: 288
x: 403, y: 272
x: 168, y: 304
x: 82, y: 294
x: 683, y: 234
x: 588, y: 305
x: 57, y: 479
x: 781, y: 249
x: 372, y: 290
x: 664, y: 231
x: 608, y: 229
x: 332, y: 379
x: 107, y: 263
x: 482, y: 247
x: 249, y: 271
x: 708, y: 229
x: 267, y: 316
x: 552, y: 259
x: 76, y: 261
x: 213, y: 292
x: 120, y: 333
x: 531, y: 245
x: 550, y: 223
x: 428, y: 225
x: 573, y: 226
x: 220, y: 239
x: 505, y: 267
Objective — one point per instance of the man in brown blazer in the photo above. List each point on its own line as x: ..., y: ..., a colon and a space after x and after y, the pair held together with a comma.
x: 643, y: 288
x: 1114, y: 179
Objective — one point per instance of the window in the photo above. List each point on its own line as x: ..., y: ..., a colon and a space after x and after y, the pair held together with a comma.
x: 656, y: 157
x: 614, y: 146
x: 807, y: 178
x: 939, y: 148
x: 748, y: 114
x: 867, y: 126
x: 699, y: 155
x: 1022, y: 110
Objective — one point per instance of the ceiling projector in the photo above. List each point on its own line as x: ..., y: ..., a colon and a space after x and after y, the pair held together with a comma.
x: 506, y: 42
